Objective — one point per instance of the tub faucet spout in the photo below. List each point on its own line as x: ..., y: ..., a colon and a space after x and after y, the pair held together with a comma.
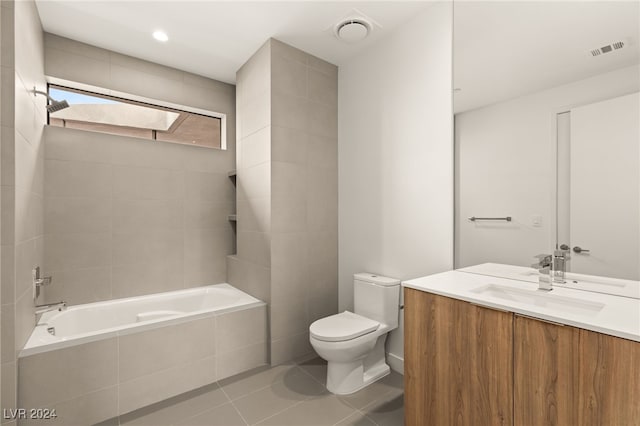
x: 41, y: 309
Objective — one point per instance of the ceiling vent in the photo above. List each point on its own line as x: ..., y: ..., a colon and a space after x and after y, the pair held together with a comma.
x: 353, y: 30
x: 608, y: 48
x: 353, y: 27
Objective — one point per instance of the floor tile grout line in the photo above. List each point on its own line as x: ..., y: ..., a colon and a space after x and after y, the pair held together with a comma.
x: 345, y: 418
x: 376, y: 399
x: 368, y: 417
x: 234, y: 406
x: 239, y: 413
x: 209, y: 408
x: 178, y: 402
x: 380, y: 399
x: 254, y: 390
x: 309, y: 374
x: 281, y: 411
x: 307, y: 398
x: 312, y: 376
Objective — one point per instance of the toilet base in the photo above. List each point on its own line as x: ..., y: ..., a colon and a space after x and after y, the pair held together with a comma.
x: 344, y: 378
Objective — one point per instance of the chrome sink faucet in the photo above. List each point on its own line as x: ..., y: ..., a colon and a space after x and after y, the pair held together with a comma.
x: 552, y: 268
x: 545, y: 261
x: 559, y: 267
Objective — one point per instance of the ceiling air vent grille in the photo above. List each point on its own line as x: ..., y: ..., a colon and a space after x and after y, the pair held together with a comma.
x: 608, y: 48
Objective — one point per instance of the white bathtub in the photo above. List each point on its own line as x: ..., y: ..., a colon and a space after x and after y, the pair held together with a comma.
x: 96, y: 321
x: 148, y: 349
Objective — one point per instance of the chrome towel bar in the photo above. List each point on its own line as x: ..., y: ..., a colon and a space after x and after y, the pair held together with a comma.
x: 506, y: 219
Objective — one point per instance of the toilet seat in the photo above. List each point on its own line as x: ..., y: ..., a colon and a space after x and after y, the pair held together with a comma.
x: 341, y: 327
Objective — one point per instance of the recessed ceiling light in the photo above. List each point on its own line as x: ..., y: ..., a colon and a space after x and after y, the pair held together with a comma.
x: 160, y: 36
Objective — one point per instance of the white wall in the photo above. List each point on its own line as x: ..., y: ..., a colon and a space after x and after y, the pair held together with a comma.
x: 395, y: 158
x: 505, y: 165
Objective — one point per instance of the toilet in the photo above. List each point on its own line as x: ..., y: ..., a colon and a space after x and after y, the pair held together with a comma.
x: 352, y: 343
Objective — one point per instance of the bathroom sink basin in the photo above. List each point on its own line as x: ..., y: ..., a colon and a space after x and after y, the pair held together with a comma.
x: 592, y: 283
x: 539, y: 299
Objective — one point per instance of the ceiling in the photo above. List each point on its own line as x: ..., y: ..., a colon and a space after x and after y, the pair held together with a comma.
x: 215, y: 38
x: 503, y: 50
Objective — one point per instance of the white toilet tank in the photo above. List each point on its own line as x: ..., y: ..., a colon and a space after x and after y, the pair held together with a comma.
x: 377, y: 297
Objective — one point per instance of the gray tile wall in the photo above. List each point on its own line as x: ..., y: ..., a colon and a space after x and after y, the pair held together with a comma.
x: 287, y: 191
x: 7, y: 369
x: 126, y: 216
x: 250, y: 270
x: 304, y: 197
x: 21, y: 179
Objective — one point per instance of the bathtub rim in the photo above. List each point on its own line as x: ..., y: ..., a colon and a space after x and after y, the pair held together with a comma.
x: 40, y: 329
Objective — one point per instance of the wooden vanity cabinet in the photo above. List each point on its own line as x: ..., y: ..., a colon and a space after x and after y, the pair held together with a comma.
x: 470, y: 365
x: 458, y: 362
x: 569, y: 376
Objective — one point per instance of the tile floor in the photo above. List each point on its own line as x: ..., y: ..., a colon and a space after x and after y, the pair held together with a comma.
x: 286, y: 395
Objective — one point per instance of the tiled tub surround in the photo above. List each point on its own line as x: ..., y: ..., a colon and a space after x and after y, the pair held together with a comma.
x: 126, y: 217
x: 92, y: 375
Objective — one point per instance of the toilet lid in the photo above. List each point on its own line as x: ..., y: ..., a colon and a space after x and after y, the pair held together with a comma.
x: 344, y: 326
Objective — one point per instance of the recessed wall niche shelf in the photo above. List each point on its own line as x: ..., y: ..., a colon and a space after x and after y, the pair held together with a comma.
x: 233, y: 218
x: 232, y: 175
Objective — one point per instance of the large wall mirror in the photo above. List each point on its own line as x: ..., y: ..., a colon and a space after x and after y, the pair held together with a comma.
x: 547, y: 134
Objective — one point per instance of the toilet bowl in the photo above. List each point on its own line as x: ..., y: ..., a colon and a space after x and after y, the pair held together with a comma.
x: 353, y: 344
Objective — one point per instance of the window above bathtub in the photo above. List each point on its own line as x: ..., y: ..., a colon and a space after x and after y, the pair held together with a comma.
x: 137, y: 117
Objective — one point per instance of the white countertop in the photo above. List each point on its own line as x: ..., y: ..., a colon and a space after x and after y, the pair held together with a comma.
x: 618, y: 316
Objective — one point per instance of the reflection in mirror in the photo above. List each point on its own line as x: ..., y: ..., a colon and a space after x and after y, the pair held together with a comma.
x: 546, y: 132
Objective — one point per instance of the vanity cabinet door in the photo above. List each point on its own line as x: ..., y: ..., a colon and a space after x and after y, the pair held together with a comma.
x: 545, y: 373
x: 458, y: 362
x: 609, y: 380
x: 569, y: 376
